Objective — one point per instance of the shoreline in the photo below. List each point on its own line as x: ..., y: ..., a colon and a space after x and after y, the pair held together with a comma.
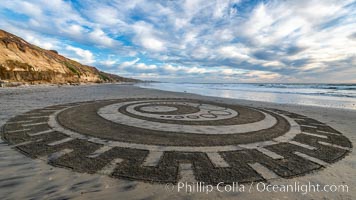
x: 252, y: 102
x: 245, y: 101
x: 294, y: 96
x: 34, y: 178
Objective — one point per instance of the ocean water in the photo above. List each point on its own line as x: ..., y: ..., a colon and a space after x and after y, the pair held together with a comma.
x: 324, y: 95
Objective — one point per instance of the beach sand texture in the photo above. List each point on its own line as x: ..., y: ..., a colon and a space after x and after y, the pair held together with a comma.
x: 24, y: 178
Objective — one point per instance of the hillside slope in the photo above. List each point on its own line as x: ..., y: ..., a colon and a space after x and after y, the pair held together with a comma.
x: 23, y: 62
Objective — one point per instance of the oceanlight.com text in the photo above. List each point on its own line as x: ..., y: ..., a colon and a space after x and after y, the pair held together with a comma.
x: 296, y: 187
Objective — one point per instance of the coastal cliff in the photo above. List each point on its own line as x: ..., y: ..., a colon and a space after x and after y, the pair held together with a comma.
x: 22, y: 62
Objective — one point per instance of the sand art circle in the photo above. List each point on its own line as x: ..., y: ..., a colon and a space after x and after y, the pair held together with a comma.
x: 171, y: 140
x: 158, y: 109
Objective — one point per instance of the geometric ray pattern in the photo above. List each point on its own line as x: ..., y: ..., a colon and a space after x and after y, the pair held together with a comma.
x: 169, y: 140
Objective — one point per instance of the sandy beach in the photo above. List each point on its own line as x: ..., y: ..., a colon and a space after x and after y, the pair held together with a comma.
x: 22, y: 177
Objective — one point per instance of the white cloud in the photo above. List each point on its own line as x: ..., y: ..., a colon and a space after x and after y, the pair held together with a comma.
x: 152, y: 43
x: 110, y: 61
x: 143, y: 66
x: 44, y: 43
x: 145, y: 35
x: 258, y: 24
x: 105, y: 15
x: 75, y: 29
x: 129, y: 63
x: 239, y: 52
x: 82, y: 56
x: 261, y: 75
x: 135, y: 68
x: 273, y: 64
x: 201, y: 52
x: 170, y: 68
x: 182, y: 69
x: 26, y: 7
x: 101, y: 38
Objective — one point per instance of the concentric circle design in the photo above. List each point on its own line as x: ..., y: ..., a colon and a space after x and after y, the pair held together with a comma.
x: 158, y: 109
x: 205, y: 111
x: 170, y: 140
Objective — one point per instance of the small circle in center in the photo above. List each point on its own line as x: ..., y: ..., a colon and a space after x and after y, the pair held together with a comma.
x: 158, y: 108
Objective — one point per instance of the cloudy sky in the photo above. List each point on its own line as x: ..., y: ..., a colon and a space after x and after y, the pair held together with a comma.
x: 196, y: 40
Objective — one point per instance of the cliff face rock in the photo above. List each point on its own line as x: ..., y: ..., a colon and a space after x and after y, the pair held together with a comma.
x: 21, y: 61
